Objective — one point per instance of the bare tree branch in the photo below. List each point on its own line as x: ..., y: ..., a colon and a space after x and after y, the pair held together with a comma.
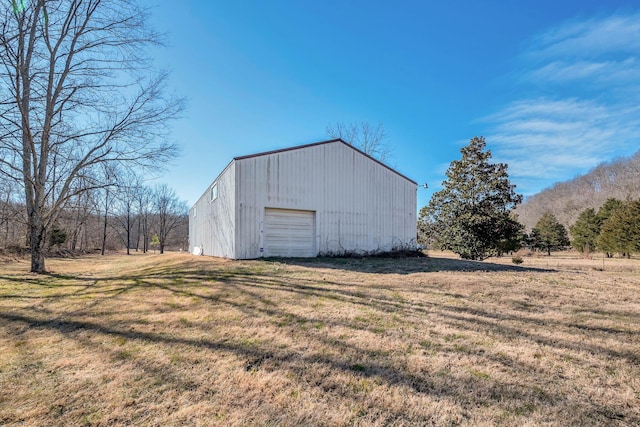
x: 371, y: 139
x: 76, y: 96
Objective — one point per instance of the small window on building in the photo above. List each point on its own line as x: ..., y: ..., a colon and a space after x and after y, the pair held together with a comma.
x: 194, y: 211
x: 214, y: 192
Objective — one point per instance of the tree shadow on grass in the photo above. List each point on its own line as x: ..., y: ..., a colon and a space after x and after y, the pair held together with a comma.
x: 258, y: 295
x: 405, y: 265
x: 477, y: 388
x: 350, y: 359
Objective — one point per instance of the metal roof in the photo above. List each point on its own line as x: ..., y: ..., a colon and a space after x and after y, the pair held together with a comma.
x: 298, y: 147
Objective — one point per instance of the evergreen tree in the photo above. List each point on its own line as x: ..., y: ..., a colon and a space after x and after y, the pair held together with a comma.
x: 155, y: 242
x: 585, y: 231
x: 471, y: 215
x: 608, y: 208
x: 621, y: 231
x: 549, y: 234
x: 57, y: 236
x: 607, y: 242
x: 515, y: 238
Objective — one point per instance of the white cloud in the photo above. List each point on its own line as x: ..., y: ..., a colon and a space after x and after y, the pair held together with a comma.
x: 606, y: 72
x: 550, y: 140
x: 583, y: 109
x: 563, y: 109
x: 592, y: 37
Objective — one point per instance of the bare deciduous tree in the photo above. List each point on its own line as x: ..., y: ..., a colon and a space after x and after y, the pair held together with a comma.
x: 169, y: 212
x: 104, y: 199
x: 371, y: 139
x: 80, y: 210
x: 11, y: 214
x: 126, y: 197
x: 143, y: 203
x: 76, y: 92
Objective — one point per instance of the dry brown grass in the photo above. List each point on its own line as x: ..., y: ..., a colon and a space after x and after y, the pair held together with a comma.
x: 183, y: 340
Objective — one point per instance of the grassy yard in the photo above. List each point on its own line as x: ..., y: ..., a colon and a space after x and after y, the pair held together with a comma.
x: 181, y: 340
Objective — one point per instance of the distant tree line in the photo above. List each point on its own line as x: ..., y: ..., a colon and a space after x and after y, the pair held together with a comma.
x: 613, y: 229
x: 618, y: 179
x: 474, y: 215
x: 128, y: 216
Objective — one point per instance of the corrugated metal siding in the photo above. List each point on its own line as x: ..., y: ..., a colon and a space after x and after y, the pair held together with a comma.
x: 213, y: 226
x: 360, y: 205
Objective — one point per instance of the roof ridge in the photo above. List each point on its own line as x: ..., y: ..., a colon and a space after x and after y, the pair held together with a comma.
x: 298, y: 147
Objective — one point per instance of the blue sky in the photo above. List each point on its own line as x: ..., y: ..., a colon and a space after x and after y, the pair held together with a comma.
x: 552, y: 85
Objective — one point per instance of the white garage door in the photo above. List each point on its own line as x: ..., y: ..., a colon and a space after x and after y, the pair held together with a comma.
x: 289, y: 233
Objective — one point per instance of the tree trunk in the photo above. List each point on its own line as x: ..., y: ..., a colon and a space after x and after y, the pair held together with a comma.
x: 37, y: 241
x: 145, y: 234
x: 128, y: 231
x: 84, y: 240
x: 138, y: 234
x: 106, y: 213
